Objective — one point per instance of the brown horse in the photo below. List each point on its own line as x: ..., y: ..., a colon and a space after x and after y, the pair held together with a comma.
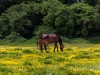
x: 52, y: 38
x: 41, y: 42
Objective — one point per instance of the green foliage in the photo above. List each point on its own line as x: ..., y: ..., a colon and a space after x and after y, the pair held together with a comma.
x: 27, y: 51
x: 43, y: 29
x: 66, y: 39
x: 50, y: 6
x: 33, y: 17
x: 69, y: 49
x: 13, y: 55
x: 13, y: 38
x: 91, y: 2
x: 98, y: 2
x: 22, y: 18
x: 84, y: 19
x: 17, y: 49
x: 4, y: 26
x: 83, y: 59
x: 47, y: 61
x: 94, y: 39
x: 83, y: 55
x: 3, y: 54
x: 5, y: 70
x: 79, y: 40
x: 59, y: 16
x: 97, y: 8
x: 27, y: 63
x: 64, y: 22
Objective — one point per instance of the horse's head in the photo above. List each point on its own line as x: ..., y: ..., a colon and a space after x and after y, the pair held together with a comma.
x: 61, y: 47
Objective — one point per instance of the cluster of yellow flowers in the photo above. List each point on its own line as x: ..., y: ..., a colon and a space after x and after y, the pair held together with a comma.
x: 75, y: 60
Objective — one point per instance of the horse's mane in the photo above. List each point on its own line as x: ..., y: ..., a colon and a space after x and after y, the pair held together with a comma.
x: 41, y: 36
x: 60, y: 41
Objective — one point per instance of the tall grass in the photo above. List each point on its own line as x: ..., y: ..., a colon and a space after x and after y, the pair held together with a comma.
x: 77, y: 59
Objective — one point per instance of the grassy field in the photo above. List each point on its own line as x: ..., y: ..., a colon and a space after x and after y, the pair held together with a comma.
x: 76, y: 59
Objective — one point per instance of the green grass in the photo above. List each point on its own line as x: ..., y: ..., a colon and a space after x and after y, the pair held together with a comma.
x: 80, y: 57
x: 76, y: 59
x: 27, y: 51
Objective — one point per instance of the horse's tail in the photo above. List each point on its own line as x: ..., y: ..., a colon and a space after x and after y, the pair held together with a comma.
x: 37, y: 45
x: 37, y: 42
x: 41, y: 36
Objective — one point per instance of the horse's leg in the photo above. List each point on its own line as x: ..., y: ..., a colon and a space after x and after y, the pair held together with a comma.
x: 37, y: 48
x: 41, y: 48
x: 55, y: 47
x: 45, y: 47
x: 38, y: 45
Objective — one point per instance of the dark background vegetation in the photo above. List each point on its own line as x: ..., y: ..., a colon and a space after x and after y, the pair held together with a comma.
x: 24, y: 19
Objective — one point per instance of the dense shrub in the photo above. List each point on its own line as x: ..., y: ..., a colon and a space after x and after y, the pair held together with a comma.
x: 49, y: 16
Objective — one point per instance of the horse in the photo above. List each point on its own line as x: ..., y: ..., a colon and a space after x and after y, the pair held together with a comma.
x: 41, y: 42
x: 52, y: 38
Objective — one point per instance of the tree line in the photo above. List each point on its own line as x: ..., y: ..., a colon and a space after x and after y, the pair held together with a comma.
x: 69, y: 18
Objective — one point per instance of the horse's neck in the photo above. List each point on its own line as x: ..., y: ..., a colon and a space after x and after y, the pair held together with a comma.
x: 60, y: 43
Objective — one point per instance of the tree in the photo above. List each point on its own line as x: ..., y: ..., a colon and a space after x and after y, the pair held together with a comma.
x: 84, y: 19
x: 4, y: 26
x: 31, y: 18
x: 4, y: 4
x: 91, y: 2
x: 64, y: 22
x: 58, y: 16
x: 23, y: 18
x: 43, y: 29
x: 69, y: 2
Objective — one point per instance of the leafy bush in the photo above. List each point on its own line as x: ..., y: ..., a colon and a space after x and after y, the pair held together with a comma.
x: 5, y: 28
x: 17, y: 49
x: 21, y: 18
x: 14, y: 38
x: 30, y: 19
x: 6, y: 70
x: 84, y: 18
x: 69, y: 49
x: 3, y: 54
x: 48, y: 61
x: 83, y: 55
x: 79, y: 40
x: 27, y: 51
x: 43, y: 29
x: 65, y: 39
x: 27, y: 63
x: 94, y: 39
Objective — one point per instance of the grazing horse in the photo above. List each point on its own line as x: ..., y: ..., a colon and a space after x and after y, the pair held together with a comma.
x: 52, y: 38
x: 41, y: 42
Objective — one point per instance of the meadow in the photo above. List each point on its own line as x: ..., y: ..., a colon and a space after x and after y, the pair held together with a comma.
x: 76, y: 59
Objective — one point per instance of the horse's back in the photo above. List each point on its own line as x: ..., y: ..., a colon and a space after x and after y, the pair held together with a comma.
x: 52, y: 38
x: 39, y: 41
x: 43, y: 41
x: 48, y: 36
